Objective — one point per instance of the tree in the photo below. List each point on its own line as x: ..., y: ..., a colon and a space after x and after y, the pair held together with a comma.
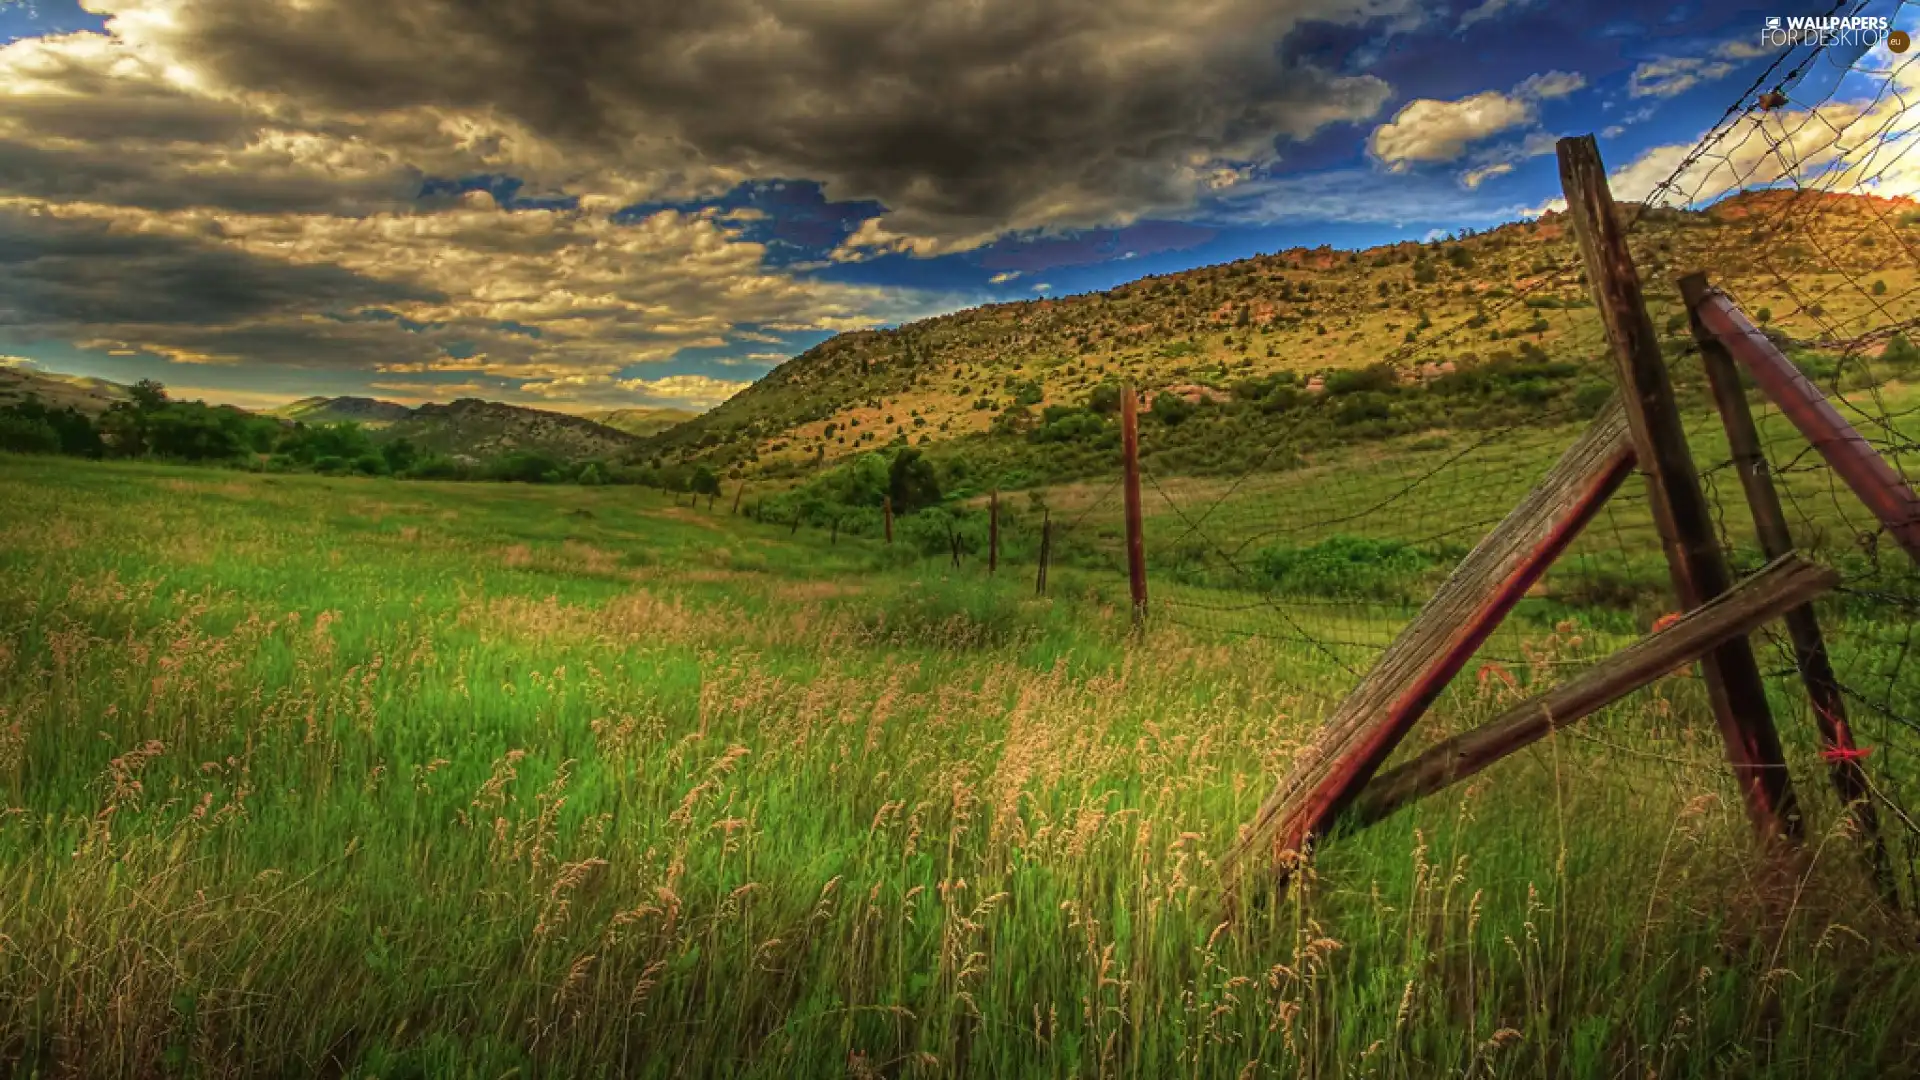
x: 705, y: 481
x: 148, y: 395
x: 21, y: 435
x: 911, y: 482
x: 1171, y: 409
x: 401, y: 454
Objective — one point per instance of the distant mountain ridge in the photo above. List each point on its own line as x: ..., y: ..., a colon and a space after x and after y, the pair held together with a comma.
x: 470, y: 427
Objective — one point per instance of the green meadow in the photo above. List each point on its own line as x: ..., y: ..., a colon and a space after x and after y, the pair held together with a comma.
x: 309, y: 776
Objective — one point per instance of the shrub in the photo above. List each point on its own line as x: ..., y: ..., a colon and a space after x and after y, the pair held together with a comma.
x: 1171, y: 409
x: 1348, y: 567
x: 912, y: 482
x: 21, y: 435
x: 1377, y: 378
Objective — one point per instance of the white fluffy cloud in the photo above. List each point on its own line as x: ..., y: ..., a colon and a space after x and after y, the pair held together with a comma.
x: 1427, y: 131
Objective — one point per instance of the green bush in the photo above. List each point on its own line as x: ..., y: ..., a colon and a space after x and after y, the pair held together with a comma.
x: 1347, y: 567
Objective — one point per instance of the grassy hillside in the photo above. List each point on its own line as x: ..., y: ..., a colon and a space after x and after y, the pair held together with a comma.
x: 483, y: 429
x: 57, y: 391
x: 640, y: 421
x: 1274, y: 331
x: 368, y: 412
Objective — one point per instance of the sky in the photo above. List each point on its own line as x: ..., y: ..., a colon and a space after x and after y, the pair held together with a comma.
x: 580, y: 204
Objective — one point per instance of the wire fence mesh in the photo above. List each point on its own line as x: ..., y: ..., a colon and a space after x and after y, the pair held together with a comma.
x: 1330, y: 547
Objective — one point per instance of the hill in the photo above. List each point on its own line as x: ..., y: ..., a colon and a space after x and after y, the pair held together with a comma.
x: 470, y: 428
x: 88, y: 395
x: 368, y: 412
x: 641, y: 422
x: 998, y: 386
x: 479, y: 429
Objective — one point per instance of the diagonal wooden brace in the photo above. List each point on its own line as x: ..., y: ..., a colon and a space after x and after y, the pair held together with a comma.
x: 1781, y: 586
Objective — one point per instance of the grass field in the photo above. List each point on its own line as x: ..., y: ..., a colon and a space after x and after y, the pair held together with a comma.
x: 305, y: 776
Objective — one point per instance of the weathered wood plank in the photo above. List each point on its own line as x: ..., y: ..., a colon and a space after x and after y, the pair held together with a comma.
x: 1430, y: 651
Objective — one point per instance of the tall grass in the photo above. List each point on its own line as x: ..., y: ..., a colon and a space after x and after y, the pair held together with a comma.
x: 324, y: 777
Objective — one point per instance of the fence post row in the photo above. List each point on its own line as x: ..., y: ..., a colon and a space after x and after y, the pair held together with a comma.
x: 1680, y: 511
x: 1136, y: 543
x: 1776, y: 540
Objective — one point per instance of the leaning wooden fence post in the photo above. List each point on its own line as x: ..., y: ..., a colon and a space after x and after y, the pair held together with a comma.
x: 1426, y: 655
x: 1046, y: 550
x: 886, y: 513
x: 1136, y: 543
x: 1776, y: 541
x: 993, y: 531
x: 1852, y: 458
x: 737, y: 492
x: 1680, y: 510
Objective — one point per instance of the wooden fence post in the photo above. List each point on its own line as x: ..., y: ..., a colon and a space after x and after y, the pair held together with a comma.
x: 1776, y: 540
x: 835, y: 538
x: 993, y: 531
x: 1854, y: 460
x: 1136, y: 543
x: 1046, y: 550
x: 886, y: 512
x: 737, y: 492
x: 1680, y: 510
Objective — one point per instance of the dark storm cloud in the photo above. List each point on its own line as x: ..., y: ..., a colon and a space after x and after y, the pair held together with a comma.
x: 961, y: 117
x: 77, y: 279
x: 52, y: 270
x: 126, y: 172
